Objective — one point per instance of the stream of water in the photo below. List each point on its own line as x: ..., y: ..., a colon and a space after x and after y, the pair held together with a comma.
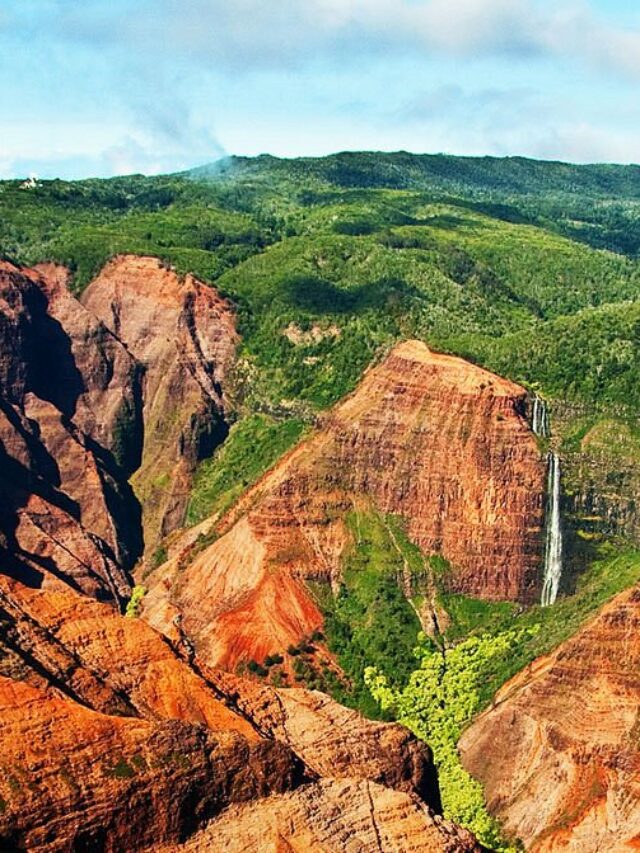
x: 553, y: 519
x: 553, y: 539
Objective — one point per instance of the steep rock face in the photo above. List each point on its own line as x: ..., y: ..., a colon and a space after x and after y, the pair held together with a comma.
x: 80, y: 780
x: 81, y: 409
x: 111, y: 740
x: 44, y: 545
x: 109, y: 405
x: 334, y: 741
x: 433, y: 438
x: 184, y: 335
x: 329, y: 816
x: 559, y: 753
x: 66, y: 510
x: 601, y: 473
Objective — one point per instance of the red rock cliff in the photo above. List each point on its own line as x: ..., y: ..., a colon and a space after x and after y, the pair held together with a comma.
x: 84, y: 406
x: 559, y: 753
x: 67, y: 514
x: 183, y: 334
x: 433, y: 438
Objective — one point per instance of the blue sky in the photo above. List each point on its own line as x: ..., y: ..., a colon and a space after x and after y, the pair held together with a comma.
x: 102, y: 87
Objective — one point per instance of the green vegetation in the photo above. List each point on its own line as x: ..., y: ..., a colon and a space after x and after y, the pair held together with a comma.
x: 139, y: 762
x: 120, y: 770
x: 133, y: 605
x: 253, y: 445
x: 440, y: 698
x: 160, y: 556
x: 541, y: 629
x: 489, y: 258
x: 370, y: 622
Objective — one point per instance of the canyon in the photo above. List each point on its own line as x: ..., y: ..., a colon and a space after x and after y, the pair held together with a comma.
x: 122, y: 733
x: 112, y: 736
x: 442, y: 443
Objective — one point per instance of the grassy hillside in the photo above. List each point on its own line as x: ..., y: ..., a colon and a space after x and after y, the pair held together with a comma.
x: 371, y: 247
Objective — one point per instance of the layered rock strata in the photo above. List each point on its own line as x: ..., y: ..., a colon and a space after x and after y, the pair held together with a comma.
x: 67, y: 514
x: 559, y: 753
x: 111, y: 740
x: 183, y: 334
x: 86, y: 403
x: 432, y: 438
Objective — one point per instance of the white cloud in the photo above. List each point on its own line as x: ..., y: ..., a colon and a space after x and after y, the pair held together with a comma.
x: 250, y: 34
x: 296, y: 76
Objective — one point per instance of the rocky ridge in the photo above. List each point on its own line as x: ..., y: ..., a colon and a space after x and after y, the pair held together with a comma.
x: 558, y: 752
x: 183, y: 336
x: 67, y: 514
x: 112, y: 740
x: 432, y: 438
x: 83, y: 410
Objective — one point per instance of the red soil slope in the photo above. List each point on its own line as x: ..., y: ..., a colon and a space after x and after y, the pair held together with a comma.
x: 433, y: 438
x: 559, y: 754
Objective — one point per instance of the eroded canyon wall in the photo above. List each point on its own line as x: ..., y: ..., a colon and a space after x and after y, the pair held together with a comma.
x: 558, y: 753
x: 432, y: 438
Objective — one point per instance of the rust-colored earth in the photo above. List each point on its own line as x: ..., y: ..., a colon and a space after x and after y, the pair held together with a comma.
x: 432, y: 438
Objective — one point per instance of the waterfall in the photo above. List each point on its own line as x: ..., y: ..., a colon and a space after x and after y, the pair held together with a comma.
x: 553, y: 539
x: 540, y: 424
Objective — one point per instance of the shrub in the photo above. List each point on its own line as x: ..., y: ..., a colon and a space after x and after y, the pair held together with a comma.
x: 441, y: 697
x: 133, y: 606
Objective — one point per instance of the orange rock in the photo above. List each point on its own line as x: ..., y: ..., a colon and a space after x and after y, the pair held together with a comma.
x: 430, y: 437
x: 558, y: 752
x: 110, y: 739
x: 332, y: 816
x: 75, y: 779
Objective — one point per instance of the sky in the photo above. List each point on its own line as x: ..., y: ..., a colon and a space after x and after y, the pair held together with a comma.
x: 104, y: 87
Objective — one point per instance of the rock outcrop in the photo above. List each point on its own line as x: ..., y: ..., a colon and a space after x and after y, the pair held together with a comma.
x: 330, y: 816
x: 67, y: 514
x: 430, y: 437
x: 75, y: 779
x: 110, y: 739
x: 183, y: 334
x: 88, y: 400
x: 332, y: 740
x: 559, y: 752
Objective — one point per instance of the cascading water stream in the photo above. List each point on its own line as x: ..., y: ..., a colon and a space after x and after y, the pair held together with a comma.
x: 553, y: 540
x: 540, y: 421
x: 553, y: 521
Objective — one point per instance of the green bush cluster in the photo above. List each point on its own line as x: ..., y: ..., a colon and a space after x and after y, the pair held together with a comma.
x: 440, y: 698
x: 135, y: 602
